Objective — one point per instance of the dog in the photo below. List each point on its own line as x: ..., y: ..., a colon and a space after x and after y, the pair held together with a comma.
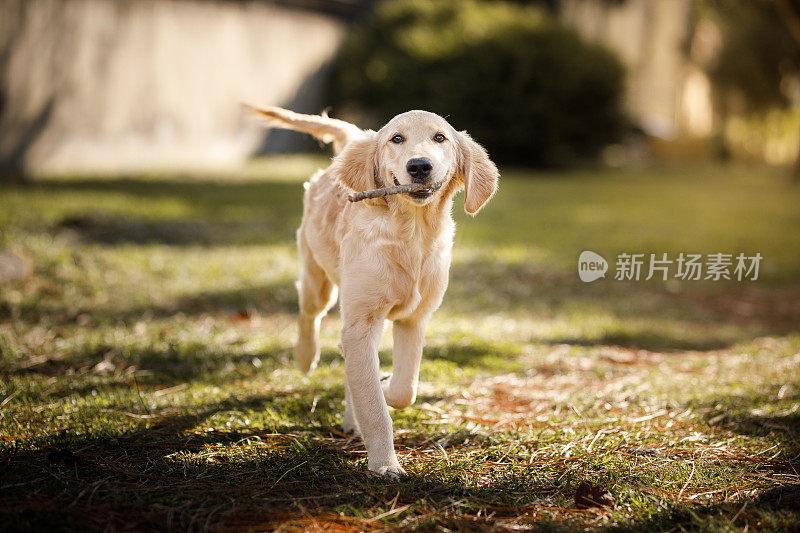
x: 389, y: 257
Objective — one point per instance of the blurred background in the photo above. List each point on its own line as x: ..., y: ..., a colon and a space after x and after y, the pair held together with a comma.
x: 123, y: 85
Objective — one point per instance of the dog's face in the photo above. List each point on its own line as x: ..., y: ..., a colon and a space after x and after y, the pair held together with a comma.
x: 419, y: 147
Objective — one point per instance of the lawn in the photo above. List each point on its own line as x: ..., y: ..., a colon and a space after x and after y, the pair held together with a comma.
x: 146, y: 376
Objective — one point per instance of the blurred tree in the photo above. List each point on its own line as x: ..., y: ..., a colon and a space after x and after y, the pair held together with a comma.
x: 527, y: 88
x: 759, y: 63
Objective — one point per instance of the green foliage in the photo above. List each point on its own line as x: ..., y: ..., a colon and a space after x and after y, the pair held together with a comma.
x: 758, y: 52
x: 528, y: 89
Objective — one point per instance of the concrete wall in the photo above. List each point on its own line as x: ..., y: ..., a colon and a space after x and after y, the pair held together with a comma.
x: 130, y: 84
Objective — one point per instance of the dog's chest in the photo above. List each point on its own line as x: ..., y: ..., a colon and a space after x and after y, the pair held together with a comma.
x: 426, y: 273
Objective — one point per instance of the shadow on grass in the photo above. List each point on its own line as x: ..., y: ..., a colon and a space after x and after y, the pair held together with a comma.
x: 212, y: 212
x: 155, y: 367
x: 771, y: 413
x: 103, y: 228
x: 234, y: 304
x: 769, y: 508
x: 277, y: 297
x: 648, y: 340
x: 756, y: 514
x: 174, y: 475
x: 294, y: 469
x: 642, y: 315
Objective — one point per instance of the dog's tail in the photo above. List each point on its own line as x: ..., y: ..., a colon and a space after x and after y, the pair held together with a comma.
x: 324, y: 128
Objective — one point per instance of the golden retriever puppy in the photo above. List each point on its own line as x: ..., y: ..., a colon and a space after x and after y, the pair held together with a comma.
x: 388, y: 256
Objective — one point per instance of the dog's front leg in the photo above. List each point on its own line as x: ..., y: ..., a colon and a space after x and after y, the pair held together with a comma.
x: 360, y: 340
x: 401, y: 389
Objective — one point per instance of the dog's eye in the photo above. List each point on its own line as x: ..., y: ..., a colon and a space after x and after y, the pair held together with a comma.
x: 439, y: 138
x: 397, y: 139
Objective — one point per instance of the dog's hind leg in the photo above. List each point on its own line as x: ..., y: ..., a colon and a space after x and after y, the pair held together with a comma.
x: 349, y: 424
x: 316, y: 294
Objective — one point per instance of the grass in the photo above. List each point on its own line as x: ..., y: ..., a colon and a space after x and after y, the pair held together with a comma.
x: 146, y: 379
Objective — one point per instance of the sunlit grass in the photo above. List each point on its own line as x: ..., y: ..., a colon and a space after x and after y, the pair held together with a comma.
x: 146, y: 375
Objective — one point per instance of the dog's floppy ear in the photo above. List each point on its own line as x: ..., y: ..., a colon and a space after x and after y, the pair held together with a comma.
x: 357, y: 164
x: 478, y: 172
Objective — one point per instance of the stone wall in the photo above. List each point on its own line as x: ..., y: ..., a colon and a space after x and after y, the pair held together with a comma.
x: 130, y: 84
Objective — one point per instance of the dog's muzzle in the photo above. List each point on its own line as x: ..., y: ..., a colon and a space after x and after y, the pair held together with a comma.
x: 419, y: 195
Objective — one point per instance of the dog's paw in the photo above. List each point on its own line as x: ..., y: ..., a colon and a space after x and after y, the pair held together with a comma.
x: 388, y: 467
x: 394, y: 472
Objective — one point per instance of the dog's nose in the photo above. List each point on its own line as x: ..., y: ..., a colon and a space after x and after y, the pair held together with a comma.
x: 419, y: 169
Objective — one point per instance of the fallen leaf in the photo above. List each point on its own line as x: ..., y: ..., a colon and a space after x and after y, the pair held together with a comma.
x: 589, y: 495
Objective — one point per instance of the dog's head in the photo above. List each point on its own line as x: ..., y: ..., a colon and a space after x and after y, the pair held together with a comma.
x: 419, y: 147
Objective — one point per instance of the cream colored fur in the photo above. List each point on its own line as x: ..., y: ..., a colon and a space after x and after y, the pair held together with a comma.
x: 389, y: 257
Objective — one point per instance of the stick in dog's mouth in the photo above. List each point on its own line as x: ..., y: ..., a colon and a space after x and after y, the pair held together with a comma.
x: 397, y: 189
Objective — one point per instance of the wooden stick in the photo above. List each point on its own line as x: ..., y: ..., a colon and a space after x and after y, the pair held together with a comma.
x: 397, y: 189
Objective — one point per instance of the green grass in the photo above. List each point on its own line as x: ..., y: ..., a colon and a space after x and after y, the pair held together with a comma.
x: 146, y: 378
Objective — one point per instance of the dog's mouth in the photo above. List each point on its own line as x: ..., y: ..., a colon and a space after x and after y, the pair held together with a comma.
x: 418, y: 195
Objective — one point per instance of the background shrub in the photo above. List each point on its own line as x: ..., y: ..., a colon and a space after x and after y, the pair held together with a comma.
x: 528, y: 89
